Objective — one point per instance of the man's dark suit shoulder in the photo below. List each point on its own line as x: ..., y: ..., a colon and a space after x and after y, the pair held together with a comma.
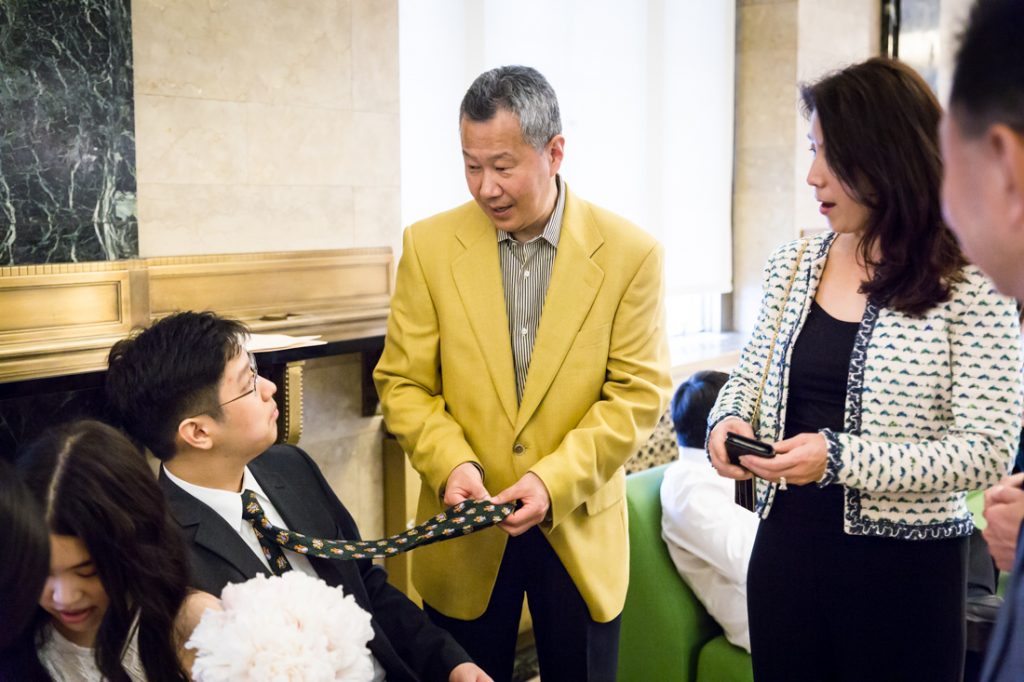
x: 406, y: 643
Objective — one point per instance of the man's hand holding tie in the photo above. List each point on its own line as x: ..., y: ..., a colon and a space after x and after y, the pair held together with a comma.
x: 536, y: 501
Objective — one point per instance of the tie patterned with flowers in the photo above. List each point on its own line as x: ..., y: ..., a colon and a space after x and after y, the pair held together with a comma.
x: 458, y: 520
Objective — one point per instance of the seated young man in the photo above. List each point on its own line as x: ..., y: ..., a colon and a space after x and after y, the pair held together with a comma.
x: 709, y: 536
x: 188, y: 389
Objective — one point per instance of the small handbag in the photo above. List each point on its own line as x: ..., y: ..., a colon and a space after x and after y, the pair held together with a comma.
x: 746, y: 490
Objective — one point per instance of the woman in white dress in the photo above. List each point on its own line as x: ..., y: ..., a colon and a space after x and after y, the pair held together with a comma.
x: 116, y: 604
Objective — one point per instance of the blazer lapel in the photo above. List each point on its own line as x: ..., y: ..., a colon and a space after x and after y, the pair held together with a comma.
x: 574, y: 284
x: 211, y: 532
x: 300, y: 513
x: 477, y: 274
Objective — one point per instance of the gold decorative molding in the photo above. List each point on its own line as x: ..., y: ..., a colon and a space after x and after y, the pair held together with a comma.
x: 289, y: 422
x: 59, y: 319
x: 324, y: 286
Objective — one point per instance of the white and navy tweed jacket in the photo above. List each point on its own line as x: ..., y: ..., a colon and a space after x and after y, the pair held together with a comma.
x: 933, y: 404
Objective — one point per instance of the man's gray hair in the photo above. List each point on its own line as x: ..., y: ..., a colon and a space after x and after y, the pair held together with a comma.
x: 520, y: 90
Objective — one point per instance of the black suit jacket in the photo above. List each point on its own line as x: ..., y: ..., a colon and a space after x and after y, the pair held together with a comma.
x: 405, y: 642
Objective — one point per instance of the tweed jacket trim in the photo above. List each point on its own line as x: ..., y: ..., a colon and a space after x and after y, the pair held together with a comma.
x: 932, y: 406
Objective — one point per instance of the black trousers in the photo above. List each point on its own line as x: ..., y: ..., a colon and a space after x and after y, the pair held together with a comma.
x: 570, y: 645
x: 827, y: 606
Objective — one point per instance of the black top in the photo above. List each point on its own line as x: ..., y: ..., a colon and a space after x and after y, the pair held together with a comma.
x: 818, y: 372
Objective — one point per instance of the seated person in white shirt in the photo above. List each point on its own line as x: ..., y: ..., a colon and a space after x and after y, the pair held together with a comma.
x: 708, y: 535
x: 188, y: 389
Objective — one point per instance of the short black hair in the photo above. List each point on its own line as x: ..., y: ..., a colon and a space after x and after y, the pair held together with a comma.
x: 988, y: 76
x: 692, y: 404
x: 170, y: 372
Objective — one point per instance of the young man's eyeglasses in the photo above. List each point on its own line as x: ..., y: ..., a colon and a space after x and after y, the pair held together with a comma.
x: 255, y: 378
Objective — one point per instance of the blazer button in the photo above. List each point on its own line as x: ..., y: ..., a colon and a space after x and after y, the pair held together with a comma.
x: 519, y: 448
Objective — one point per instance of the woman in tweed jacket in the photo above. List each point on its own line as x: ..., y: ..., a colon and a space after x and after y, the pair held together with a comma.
x: 893, y: 388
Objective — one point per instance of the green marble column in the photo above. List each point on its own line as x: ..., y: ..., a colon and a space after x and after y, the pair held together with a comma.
x: 67, y: 132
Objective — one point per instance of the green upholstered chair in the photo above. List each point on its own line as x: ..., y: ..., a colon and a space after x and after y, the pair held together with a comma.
x: 667, y: 635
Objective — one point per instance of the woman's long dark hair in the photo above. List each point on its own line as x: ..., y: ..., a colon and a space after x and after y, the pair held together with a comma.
x: 93, y: 484
x: 880, y: 121
x: 25, y: 553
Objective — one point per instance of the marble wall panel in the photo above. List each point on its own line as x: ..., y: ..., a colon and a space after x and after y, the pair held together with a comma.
x: 217, y: 218
x: 375, y: 161
x: 67, y: 142
x: 275, y: 115
x: 295, y: 145
x: 375, y: 55
x: 374, y: 205
x: 246, y: 50
x: 190, y: 141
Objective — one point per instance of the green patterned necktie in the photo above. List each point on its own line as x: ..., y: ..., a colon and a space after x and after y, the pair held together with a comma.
x: 253, y: 513
x: 458, y: 520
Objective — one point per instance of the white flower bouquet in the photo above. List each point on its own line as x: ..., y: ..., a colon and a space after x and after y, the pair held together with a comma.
x: 289, y: 628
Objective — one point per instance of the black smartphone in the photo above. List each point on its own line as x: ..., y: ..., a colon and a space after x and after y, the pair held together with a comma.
x: 736, y: 445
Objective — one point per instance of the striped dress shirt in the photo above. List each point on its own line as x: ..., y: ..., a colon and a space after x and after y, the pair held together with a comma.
x: 525, y: 273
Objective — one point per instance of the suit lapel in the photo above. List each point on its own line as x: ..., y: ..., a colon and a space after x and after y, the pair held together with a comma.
x: 303, y: 515
x: 211, y: 532
x: 300, y: 512
x: 477, y: 274
x: 575, y: 281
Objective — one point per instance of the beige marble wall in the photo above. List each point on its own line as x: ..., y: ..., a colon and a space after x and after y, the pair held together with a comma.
x: 779, y: 44
x: 265, y: 125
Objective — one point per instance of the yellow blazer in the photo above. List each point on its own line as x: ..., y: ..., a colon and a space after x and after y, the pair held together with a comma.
x: 598, y: 382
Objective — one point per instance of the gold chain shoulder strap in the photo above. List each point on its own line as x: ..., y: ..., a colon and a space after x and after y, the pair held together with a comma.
x: 745, y: 490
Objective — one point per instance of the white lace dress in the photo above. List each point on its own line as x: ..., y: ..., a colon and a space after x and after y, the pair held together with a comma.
x: 68, y: 662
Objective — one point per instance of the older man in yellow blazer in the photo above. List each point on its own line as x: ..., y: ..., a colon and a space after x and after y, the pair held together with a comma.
x: 526, y: 357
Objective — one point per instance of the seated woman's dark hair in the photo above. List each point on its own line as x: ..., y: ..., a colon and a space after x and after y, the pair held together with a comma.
x: 91, y: 483
x: 880, y: 122
x: 25, y: 552
x: 692, y: 404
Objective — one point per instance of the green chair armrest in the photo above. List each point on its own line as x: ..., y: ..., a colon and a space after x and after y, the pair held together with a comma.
x: 721, y: 661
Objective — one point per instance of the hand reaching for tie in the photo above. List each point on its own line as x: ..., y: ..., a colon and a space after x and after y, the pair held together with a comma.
x: 464, y: 483
x: 532, y: 492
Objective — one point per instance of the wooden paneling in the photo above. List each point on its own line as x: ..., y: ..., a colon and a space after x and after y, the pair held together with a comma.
x: 62, y: 318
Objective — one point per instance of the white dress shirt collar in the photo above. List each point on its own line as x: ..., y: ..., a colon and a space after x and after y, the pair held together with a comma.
x: 227, y: 504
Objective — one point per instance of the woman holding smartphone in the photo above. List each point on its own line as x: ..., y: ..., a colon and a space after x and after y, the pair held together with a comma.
x: 884, y: 399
